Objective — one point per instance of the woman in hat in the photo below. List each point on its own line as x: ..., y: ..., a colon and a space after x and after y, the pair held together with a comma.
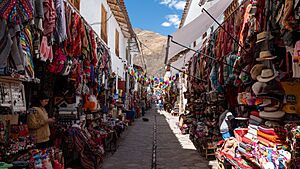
x: 38, y: 122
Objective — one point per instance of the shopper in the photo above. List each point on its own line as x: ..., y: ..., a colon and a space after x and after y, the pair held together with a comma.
x: 38, y: 122
x: 143, y: 106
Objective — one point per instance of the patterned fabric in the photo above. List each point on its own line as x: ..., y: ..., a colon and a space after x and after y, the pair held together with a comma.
x: 61, y: 29
x: 5, y: 43
x: 16, y: 11
x: 49, y: 17
x: 26, y: 42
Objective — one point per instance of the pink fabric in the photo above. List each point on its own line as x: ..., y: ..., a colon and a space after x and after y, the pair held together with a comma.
x: 247, y: 141
x: 266, y: 130
x: 46, y: 50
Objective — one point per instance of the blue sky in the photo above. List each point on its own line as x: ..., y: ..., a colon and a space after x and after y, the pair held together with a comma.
x: 162, y: 16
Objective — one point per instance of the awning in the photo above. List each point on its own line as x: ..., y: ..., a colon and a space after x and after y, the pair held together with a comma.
x: 195, y: 29
x: 181, y: 62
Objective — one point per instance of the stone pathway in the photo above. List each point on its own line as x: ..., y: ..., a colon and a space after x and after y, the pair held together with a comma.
x: 174, y: 151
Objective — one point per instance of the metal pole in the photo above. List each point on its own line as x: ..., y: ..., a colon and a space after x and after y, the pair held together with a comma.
x: 167, y: 49
x: 235, y: 40
x: 187, y: 73
x: 207, y: 56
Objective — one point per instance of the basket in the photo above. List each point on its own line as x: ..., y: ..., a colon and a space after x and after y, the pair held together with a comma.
x: 239, y: 133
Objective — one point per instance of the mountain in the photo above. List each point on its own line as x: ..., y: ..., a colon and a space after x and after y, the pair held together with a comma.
x: 153, y: 46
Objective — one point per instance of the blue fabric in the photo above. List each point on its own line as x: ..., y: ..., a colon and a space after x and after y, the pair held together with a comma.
x: 226, y: 135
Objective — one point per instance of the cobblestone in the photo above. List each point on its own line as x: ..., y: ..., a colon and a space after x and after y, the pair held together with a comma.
x: 174, y: 150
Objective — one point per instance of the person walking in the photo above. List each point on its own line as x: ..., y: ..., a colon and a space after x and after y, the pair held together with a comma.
x: 143, y: 106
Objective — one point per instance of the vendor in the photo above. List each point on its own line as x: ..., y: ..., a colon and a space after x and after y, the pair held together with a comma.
x: 225, y: 123
x: 38, y: 122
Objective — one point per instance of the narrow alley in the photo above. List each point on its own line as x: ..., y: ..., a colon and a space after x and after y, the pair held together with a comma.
x: 174, y: 150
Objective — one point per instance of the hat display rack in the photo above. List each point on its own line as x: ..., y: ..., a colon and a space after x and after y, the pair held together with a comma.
x: 266, y: 100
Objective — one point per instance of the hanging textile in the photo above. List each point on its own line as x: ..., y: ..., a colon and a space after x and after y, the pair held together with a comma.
x: 27, y: 46
x: 16, y: 11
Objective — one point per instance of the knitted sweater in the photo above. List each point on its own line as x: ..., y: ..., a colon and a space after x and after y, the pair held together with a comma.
x: 38, y: 124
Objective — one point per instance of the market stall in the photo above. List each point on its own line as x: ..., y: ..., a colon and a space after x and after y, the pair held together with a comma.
x: 248, y: 68
x: 47, y: 48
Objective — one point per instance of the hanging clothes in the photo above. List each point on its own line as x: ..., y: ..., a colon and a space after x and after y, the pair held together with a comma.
x: 61, y: 29
x: 16, y: 11
x: 27, y: 46
x: 49, y: 17
x: 39, y: 14
x: 5, y: 43
x: 94, y: 48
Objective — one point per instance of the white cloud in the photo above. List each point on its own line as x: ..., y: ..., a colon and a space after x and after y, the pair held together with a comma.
x: 180, y: 5
x: 166, y: 24
x: 177, y: 4
x: 171, y: 20
x: 165, y: 2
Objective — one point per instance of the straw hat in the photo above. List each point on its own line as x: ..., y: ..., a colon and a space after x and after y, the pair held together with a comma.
x: 256, y: 70
x: 271, y: 115
x: 266, y: 75
x: 265, y: 55
x: 263, y: 36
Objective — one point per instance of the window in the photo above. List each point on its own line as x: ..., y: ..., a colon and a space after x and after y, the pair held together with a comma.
x: 117, y: 43
x: 103, y: 24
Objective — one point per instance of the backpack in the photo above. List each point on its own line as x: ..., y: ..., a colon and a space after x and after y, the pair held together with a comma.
x: 58, y: 63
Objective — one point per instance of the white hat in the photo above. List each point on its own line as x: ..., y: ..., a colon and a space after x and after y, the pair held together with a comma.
x: 266, y: 75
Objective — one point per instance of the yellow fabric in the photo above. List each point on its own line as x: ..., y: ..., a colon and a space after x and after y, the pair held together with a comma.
x: 38, y: 124
x: 293, y: 96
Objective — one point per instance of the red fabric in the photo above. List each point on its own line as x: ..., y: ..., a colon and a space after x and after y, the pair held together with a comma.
x: 49, y: 17
x: 255, y: 113
x: 94, y: 48
x: 267, y: 130
x: 122, y: 85
x: 246, y: 140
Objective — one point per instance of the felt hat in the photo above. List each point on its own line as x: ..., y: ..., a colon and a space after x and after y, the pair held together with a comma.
x: 266, y: 75
x: 271, y: 115
x: 265, y: 55
x: 263, y: 36
x: 257, y: 87
x: 256, y: 70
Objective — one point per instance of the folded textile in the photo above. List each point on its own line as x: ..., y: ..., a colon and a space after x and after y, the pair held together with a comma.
x: 273, y: 138
x: 253, y: 126
x: 267, y: 130
x: 256, y: 118
x: 252, y: 131
x: 245, y: 146
x: 265, y: 141
x: 250, y: 136
x: 242, y: 150
x: 247, y: 141
x: 251, y: 121
x: 255, y: 113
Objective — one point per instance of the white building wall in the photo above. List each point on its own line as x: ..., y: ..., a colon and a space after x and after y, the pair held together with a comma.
x: 91, y: 11
x: 194, y: 11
